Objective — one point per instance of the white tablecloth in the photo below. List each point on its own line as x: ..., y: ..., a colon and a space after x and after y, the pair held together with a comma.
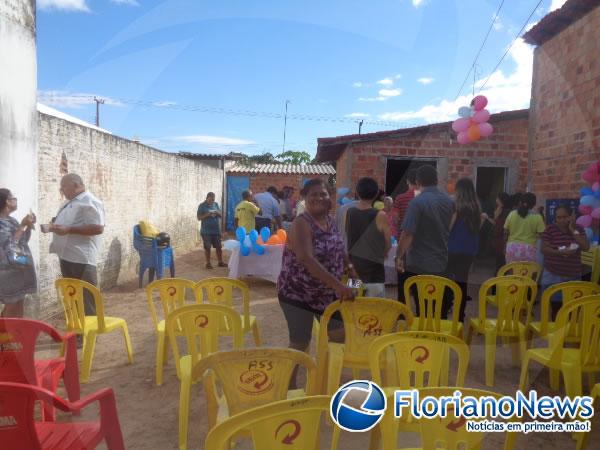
x: 268, y: 266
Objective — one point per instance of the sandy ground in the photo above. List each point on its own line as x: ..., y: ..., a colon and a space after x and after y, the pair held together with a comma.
x: 148, y: 413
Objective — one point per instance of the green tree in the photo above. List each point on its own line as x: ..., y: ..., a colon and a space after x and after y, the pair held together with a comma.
x: 294, y: 157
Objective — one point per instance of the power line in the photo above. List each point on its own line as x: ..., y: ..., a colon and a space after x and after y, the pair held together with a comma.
x: 480, y: 48
x: 511, y: 44
x: 225, y: 111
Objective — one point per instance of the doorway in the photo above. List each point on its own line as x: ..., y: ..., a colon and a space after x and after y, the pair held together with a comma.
x: 396, y: 170
x: 490, y: 182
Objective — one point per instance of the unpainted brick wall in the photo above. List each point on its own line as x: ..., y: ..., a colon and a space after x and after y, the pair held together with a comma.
x: 565, y: 108
x: 135, y: 182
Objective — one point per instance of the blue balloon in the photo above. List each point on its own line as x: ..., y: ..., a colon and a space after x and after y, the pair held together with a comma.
x: 253, y: 236
x: 245, y: 251
x: 343, y: 191
x: 597, y: 193
x: 586, y: 191
x: 345, y: 200
x: 590, y: 234
x: 587, y: 200
x: 258, y: 249
x: 464, y: 112
x: 265, y: 234
x: 240, y: 233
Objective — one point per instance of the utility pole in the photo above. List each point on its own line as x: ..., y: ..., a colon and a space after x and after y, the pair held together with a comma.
x: 360, y: 124
x: 285, y: 123
x: 99, y: 101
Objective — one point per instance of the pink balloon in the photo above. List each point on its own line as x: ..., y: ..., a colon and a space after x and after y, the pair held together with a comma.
x: 595, y: 186
x: 485, y: 129
x: 585, y: 209
x: 480, y: 102
x: 584, y: 221
x: 463, y: 138
x: 460, y: 125
x: 481, y: 116
x: 596, y: 213
x: 591, y: 176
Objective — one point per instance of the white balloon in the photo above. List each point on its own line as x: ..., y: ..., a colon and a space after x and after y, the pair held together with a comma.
x: 464, y: 111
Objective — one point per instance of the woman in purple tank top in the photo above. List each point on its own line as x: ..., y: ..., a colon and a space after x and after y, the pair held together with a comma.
x: 314, y: 261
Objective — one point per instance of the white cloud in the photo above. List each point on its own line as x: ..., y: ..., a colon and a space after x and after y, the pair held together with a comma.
x: 505, y: 92
x: 126, y: 2
x: 73, y: 100
x: 390, y: 92
x: 386, y: 82
x: 358, y: 115
x: 498, y: 25
x: 357, y: 84
x: 212, y: 140
x: 372, y: 99
x: 417, y: 3
x: 398, y: 76
x: 555, y: 4
x: 426, y: 80
x: 65, y: 5
x: 164, y: 104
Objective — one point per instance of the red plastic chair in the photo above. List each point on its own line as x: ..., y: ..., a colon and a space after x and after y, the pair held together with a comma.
x: 19, y: 429
x: 18, y: 338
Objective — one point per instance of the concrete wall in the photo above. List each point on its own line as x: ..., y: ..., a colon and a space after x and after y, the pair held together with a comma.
x: 18, y: 117
x: 565, y: 108
x: 134, y: 181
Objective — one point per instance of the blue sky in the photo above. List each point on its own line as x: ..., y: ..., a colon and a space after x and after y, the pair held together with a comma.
x: 214, y: 76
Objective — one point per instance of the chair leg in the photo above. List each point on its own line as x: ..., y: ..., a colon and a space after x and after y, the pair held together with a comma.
x: 128, y: 343
x: 161, y: 354
x: 573, y: 381
x: 256, y: 334
x: 172, y: 269
x: 554, y: 379
x: 89, y: 346
x: 334, y: 370
x: 490, y: 357
x: 445, y: 367
x: 184, y: 408
x: 469, y: 335
x: 524, y: 380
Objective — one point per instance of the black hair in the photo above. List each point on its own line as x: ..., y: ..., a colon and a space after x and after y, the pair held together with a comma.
x: 505, y: 199
x: 280, y: 195
x: 367, y: 188
x: 4, y: 195
x: 565, y: 207
x: 313, y: 182
x: 467, y: 205
x: 411, y: 176
x: 527, y: 201
x: 245, y: 194
x: 515, y: 199
x: 427, y: 176
x: 272, y: 190
x: 210, y: 194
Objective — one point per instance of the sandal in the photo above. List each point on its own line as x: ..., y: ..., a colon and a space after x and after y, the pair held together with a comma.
x: 209, y: 265
x: 222, y: 264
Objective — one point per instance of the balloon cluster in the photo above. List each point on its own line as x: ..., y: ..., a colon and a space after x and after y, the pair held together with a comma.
x: 473, y: 123
x: 342, y: 193
x: 255, y: 241
x: 589, y: 203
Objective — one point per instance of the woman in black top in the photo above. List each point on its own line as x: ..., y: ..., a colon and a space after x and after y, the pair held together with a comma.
x: 369, y: 238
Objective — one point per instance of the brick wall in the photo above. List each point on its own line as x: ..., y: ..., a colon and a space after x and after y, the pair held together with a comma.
x: 507, y: 147
x: 134, y: 181
x: 565, y: 108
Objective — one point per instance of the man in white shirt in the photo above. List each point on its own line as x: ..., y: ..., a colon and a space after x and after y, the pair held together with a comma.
x: 76, y: 235
x: 269, y: 209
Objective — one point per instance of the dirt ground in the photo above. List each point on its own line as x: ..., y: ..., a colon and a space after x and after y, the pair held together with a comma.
x: 148, y: 413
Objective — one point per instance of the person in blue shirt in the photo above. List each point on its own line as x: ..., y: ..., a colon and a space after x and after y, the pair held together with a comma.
x: 209, y: 214
x: 269, y: 216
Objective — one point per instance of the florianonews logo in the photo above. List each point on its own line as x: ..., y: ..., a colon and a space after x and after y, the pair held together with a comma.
x: 358, y: 405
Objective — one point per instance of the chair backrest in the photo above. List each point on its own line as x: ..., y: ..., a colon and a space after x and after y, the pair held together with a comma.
x: 364, y: 319
x: 414, y: 359
x: 17, y: 348
x: 199, y: 324
x: 171, y: 294
x: 592, y: 258
x: 522, y: 269
x: 512, y: 298
x: 70, y: 292
x: 285, y: 425
x: 221, y: 291
x: 430, y: 293
x: 587, y: 311
x: 570, y: 291
x: 448, y: 433
x: 254, y: 377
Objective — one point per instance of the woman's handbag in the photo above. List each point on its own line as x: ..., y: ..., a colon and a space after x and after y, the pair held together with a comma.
x: 14, y: 255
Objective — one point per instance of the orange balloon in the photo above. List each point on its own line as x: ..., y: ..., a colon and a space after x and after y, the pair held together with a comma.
x: 474, y: 133
x: 274, y: 240
x: 282, y: 235
x: 260, y: 241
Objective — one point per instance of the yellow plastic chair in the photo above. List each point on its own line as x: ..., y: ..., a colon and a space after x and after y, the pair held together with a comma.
x: 571, y: 291
x: 364, y: 319
x: 583, y: 439
x: 528, y: 269
x: 414, y: 359
x: 449, y: 433
x: 571, y: 362
x: 251, y: 378
x: 171, y: 295
x: 200, y: 326
x: 220, y: 291
x: 285, y: 425
x: 430, y: 293
x: 512, y: 293
x: 592, y: 258
x: 70, y: 292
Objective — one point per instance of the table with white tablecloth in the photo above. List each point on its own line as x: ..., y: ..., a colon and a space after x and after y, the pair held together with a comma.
x: 268, y: 265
